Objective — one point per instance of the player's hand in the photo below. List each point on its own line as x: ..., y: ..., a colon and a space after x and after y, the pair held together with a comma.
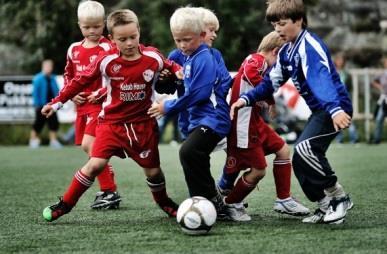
x: 179, y: 74
x: 164, y: 74
x: 47, y: 110
x: 341, y: 121
x: 92, y: 98
x: 272, y: 111
x: 79, y: 99
x: 240, y: 103
x: 156, y: 110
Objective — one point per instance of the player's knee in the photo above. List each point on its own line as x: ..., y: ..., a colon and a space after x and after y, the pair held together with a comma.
x: 283, y: 153
x: 94, y: 166
x: 254, y: 175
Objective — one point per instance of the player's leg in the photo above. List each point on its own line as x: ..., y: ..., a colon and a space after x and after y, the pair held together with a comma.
x: 107, y: 197
x: 140, y: 142
x: 282, y: 169
x: 313, y: 170
x: 243, y: 187
x: 81, y: 181
x: 156, y: 182
x: 195, y: 159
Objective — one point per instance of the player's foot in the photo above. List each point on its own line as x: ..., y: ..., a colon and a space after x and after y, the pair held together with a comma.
x: 316, y: 218
x: 169, y: 207
x: 290, y: 206
x: 106, y: 200
x: 237, y: 212
x: 53, y: 212
x: 225, y: 192
x: 337, y: 209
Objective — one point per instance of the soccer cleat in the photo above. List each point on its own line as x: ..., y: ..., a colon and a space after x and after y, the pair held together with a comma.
x: 237, y: 212
x: 316, y: 218
x: 53, y: 212
x: 169, y: 207
x: 337, y: 209
x: 106, y: 200
x: 290, y: 206
x: 225, y: 192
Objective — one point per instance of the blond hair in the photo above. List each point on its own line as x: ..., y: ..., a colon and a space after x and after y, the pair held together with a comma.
x: 271, y: 41
x: 91, y: 10
x: 209, y: 17
x: 186, y: 19
x: 286, y: 9
x: 121, y: 17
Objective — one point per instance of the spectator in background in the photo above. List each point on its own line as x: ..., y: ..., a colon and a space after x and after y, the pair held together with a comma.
x: 380, y: 83
x: 45, y: 88
x: 345, y: 77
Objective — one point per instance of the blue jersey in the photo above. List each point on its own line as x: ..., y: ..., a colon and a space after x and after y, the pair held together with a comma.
x: 203, y: 96
x: 308, y: 64
x: 177, y: 56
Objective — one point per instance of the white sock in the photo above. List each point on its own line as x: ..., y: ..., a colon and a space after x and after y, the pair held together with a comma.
x: 324, y: 203
x: 336, y: 191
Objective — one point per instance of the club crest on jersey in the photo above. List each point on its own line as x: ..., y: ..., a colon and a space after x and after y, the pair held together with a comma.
x: 75, y: 54
x: 92, y: 58
x: 187, y: 71
x: 148, y: 75
x: 116, y: 68
x: 231, y: 162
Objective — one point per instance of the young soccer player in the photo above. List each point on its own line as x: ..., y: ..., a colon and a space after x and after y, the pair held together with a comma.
x: 306, y: 60
x: 251, y: 139
x: 80, y: 54
x: 211, y: 26
x: 204, y: 100
x: 124, y: 127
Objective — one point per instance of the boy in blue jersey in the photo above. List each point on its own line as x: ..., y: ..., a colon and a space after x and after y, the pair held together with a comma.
x: 211, y: 26
x: 306, y: 60
x: 204, y: 99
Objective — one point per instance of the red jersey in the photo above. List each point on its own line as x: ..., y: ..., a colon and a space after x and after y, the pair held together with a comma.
x: 78, y: 58
x: 129, y: 84
x: 247, y: 123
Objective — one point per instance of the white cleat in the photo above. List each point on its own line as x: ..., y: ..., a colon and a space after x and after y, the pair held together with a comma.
x: 337, y: 210
x: 316, y: 218
x: 290, y: 206
x: 237, y: 212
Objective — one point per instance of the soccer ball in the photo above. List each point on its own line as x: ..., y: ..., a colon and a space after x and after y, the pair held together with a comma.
x: 196, y: 215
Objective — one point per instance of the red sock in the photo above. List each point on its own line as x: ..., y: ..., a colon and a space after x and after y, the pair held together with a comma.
x: 241, y: 189
x: 282, y: 170
x: 78, y: 186
x: 158, y: 190
x: 106, y: 179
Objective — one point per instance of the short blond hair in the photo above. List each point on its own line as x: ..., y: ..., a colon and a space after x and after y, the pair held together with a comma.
x: 121, y: 17
x: 186, y: 19
x: 271, y: 41
x: 209, y: 17
x: 91, y: 10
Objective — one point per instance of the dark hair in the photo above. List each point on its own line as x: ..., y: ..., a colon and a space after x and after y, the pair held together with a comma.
x: 286, y: 9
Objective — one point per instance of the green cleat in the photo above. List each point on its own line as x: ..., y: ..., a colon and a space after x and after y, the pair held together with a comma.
x: 53, y: 212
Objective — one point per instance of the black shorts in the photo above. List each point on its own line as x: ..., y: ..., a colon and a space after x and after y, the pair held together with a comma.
x: 40, y: 119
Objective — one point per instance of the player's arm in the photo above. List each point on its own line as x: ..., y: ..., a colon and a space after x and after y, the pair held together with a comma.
x: 317, y: 72
x: 199, y: 89
x: 73, y: 88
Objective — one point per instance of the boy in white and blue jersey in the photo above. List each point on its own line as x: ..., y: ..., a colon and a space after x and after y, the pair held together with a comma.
x: 306, y: 60
x: 205, y: 101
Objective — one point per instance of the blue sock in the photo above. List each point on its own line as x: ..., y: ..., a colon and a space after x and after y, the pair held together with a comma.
x: 227, y: 180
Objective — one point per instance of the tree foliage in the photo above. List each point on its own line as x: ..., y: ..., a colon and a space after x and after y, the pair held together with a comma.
x: 45, y: 28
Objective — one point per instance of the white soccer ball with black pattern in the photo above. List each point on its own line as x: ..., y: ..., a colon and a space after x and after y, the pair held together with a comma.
x: 196, y: 215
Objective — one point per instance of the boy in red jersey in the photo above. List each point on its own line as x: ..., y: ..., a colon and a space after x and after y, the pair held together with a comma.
x: 251, y: 139
x: 124, y: 127
x: 79, y: 55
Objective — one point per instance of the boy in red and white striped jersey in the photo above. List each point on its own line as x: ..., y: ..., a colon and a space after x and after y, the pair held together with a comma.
x: 79, y: 55
x: 124, y: 128
x: 251, y: 139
